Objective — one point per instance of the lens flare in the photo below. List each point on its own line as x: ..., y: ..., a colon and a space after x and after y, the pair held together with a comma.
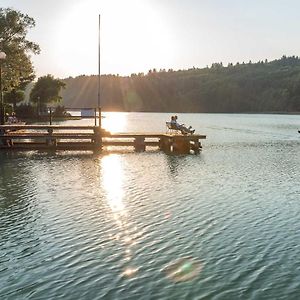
x: 183, y: 269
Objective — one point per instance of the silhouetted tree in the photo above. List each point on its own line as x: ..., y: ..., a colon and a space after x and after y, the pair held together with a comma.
x: 46, y: 90
x: 14, y: 97
x: 255, y: 87
x: 17, y: 67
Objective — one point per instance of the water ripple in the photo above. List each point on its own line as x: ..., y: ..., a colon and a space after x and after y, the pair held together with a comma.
x: 103, y: 226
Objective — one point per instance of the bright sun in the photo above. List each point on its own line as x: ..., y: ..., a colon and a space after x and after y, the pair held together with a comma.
x: 134, y: 37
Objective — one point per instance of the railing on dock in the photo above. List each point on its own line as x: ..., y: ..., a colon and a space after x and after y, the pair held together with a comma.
x: 56, y: 137
x: 48, y: 115
x: 22, y: 137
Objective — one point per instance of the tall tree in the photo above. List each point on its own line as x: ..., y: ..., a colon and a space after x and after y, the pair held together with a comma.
x: 46, y: 90
x: 14, y: 96
x: 18, y: 70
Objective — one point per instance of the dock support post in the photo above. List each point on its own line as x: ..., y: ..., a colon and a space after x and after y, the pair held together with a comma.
x: 50, y: 141
x: 139, y: 144
x: 2, y: 132
x: 196, y: 146
x: 165, y: 144
x: 181, y: 145
x: 3, y: 141
x: 50, y: 116
x: 98, y: 137
x: 95, y: 116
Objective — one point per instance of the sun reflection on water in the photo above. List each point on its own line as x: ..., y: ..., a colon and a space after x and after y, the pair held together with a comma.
x: 126, y: 232
x: 112, y: 182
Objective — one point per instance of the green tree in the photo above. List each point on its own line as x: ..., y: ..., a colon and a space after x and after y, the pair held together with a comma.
x: 14, y: 96
x: 17, y: 68
x: 46, y: 90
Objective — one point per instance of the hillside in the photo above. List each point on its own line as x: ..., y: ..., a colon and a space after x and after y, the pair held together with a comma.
x: 252, y: 87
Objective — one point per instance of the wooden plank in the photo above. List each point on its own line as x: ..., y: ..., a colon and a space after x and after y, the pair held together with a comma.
x: 134, y: 135
x: 32, y: 133
x: 46, y: 127
x: 18, y: 146
x: 78, y: 136
x: 186, y: 137
x: 44, y: 136
x: 107, y: 134
x: 127, y: 143
x: 155, y: 135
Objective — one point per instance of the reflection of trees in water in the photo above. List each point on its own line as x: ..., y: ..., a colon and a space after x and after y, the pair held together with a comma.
x: 33, y: 195
x: 176, y: 163
x: 183, y: 166
x: 14, y: 183
x: 173, y: 164
x: 17, y: 209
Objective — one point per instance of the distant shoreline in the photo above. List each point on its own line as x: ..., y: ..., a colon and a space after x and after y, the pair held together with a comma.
x: 180, y: 112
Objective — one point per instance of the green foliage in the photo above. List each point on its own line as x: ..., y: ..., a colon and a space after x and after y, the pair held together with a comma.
x: 46, y: 90
x: 17, y: 67
x: 25, y: 111
x: 60, y: 111
x: 14, y: 97
x: 247, y: 87
x: 8, y: 109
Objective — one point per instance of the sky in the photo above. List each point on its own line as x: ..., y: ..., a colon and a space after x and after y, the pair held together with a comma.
x: 138, y: 35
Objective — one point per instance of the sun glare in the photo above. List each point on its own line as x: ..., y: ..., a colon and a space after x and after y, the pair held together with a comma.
x: 115, y: 122
x: 134, y: 37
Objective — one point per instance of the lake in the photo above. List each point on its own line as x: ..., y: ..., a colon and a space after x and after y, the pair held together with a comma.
x: 108, y: 226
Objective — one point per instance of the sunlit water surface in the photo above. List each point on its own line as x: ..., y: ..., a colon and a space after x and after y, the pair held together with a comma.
x: 109, y: 226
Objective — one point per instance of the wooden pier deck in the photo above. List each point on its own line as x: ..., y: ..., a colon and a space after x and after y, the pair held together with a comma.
x: 56, y: 137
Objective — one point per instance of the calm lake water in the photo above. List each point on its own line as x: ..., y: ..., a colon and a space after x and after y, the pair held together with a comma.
x: 106, y: 226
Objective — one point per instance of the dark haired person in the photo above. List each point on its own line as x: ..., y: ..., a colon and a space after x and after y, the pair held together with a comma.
x: 182, y: 127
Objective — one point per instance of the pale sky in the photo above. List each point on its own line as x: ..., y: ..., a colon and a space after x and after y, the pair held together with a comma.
x: 138, y: 35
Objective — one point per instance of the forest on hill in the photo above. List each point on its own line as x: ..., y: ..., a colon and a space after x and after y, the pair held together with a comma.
x: 245, y: 87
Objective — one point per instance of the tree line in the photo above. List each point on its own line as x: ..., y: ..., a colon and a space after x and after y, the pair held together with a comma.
x: 244, y: 87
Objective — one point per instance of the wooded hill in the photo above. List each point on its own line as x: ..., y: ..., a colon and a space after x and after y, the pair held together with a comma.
x: 247, y: 87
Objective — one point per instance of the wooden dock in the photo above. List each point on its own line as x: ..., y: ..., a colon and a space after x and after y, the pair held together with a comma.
x: 56, y: 137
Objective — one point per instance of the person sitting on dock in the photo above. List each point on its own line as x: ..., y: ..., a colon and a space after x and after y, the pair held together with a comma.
x: 14, y: 118
x: 181, y: 127
x: 174, y: 123
x: 10, y: 120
